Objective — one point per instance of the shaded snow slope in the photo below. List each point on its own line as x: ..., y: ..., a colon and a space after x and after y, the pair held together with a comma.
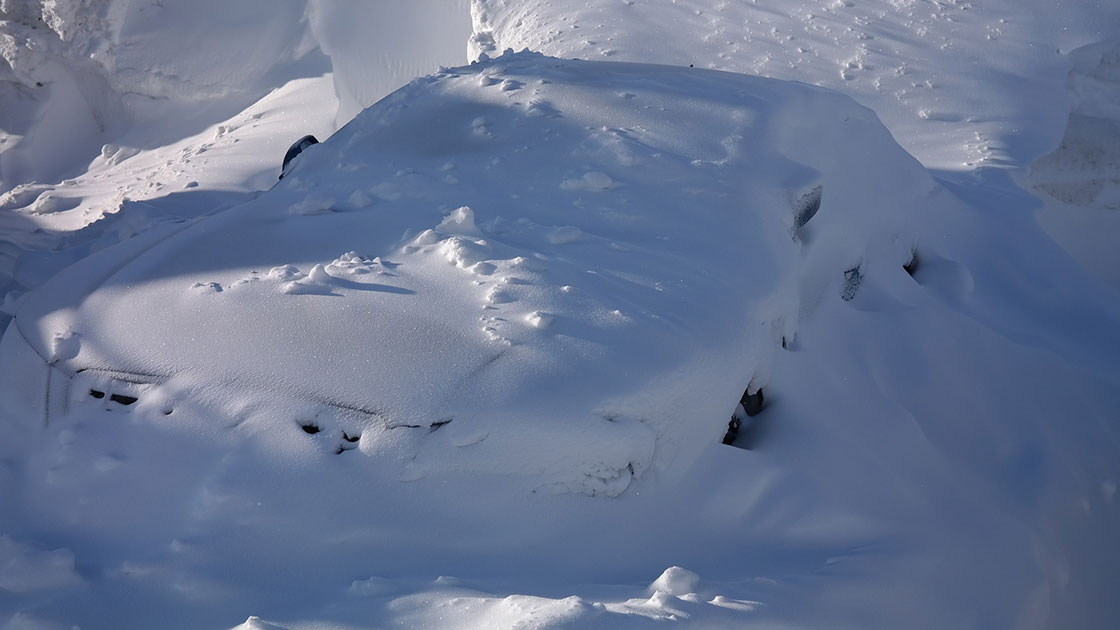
x: 1079, y: 181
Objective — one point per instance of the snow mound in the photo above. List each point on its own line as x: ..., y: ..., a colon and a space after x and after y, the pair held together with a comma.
x: 449, y: 603
x: 573, y: 337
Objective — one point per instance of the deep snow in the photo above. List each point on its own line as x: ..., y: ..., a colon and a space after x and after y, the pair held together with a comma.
x: 939, y: 450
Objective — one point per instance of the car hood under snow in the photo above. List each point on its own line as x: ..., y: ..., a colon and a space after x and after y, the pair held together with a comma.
x: 567, y: 271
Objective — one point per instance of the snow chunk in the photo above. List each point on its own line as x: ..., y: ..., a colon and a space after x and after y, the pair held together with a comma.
x: 65, y: 346
x: 564, y: 235
x: 676, y: 581
x: 359, y: 199
x: 319, y: 275
x: 595, y: 181
x: 256, y: 623
x: 460, y: 222
x: 285, y: 273
x: 540, y: 319
x: 312, y: 205
x: 464, y: 253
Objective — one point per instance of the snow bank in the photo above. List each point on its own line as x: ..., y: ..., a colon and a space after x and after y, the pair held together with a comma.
x: 125, y: 98
x: 75, y: 72
x: 1085, y: 168
x: 376, y: 47
x: 452, y: 603
x: 960, y: 84
x: 1079, y: 182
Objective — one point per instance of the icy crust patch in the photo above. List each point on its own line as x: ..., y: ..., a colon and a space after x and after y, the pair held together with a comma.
x: 526, y: 298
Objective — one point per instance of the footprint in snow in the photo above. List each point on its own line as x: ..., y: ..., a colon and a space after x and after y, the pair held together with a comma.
x: 206, y: 287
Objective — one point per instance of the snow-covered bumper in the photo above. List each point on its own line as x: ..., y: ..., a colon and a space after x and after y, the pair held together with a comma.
x: 32, y: 391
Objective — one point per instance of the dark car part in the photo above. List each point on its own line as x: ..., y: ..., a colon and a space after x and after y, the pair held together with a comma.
x: 294, y: 150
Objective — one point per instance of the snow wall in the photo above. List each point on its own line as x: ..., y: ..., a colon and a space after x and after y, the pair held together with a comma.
x: 75, y: 74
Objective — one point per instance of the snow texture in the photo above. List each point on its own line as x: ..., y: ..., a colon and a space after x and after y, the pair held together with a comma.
x: 496, y: 325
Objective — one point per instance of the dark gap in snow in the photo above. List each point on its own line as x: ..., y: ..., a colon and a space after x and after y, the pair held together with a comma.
x: 96, y: 393
x: 122, y: 399
x: 753, y: 434
x: 806, y: 207
x: 349, y: 442
x: 133, y: 378
x: 439, y: 423
x: 733, y: 426
x: 297, y: 147
x: 852, y: 279
x: 751, y: 405
x: 912, y: 266
x: 310, y: 428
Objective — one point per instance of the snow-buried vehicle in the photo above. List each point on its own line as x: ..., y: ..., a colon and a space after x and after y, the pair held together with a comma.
x: 564, y: 272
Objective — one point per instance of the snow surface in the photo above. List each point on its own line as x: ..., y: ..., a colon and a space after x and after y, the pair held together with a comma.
x: 939, y: 444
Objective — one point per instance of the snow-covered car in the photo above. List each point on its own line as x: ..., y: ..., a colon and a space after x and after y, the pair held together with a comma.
x: 567, y: 272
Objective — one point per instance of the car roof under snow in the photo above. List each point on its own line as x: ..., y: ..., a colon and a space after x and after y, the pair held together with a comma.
x: 564, y: 270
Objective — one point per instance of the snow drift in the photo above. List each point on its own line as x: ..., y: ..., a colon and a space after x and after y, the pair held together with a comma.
x: 561, y: 271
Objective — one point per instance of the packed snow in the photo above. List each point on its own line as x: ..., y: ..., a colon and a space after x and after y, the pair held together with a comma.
x: 471, y: 363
